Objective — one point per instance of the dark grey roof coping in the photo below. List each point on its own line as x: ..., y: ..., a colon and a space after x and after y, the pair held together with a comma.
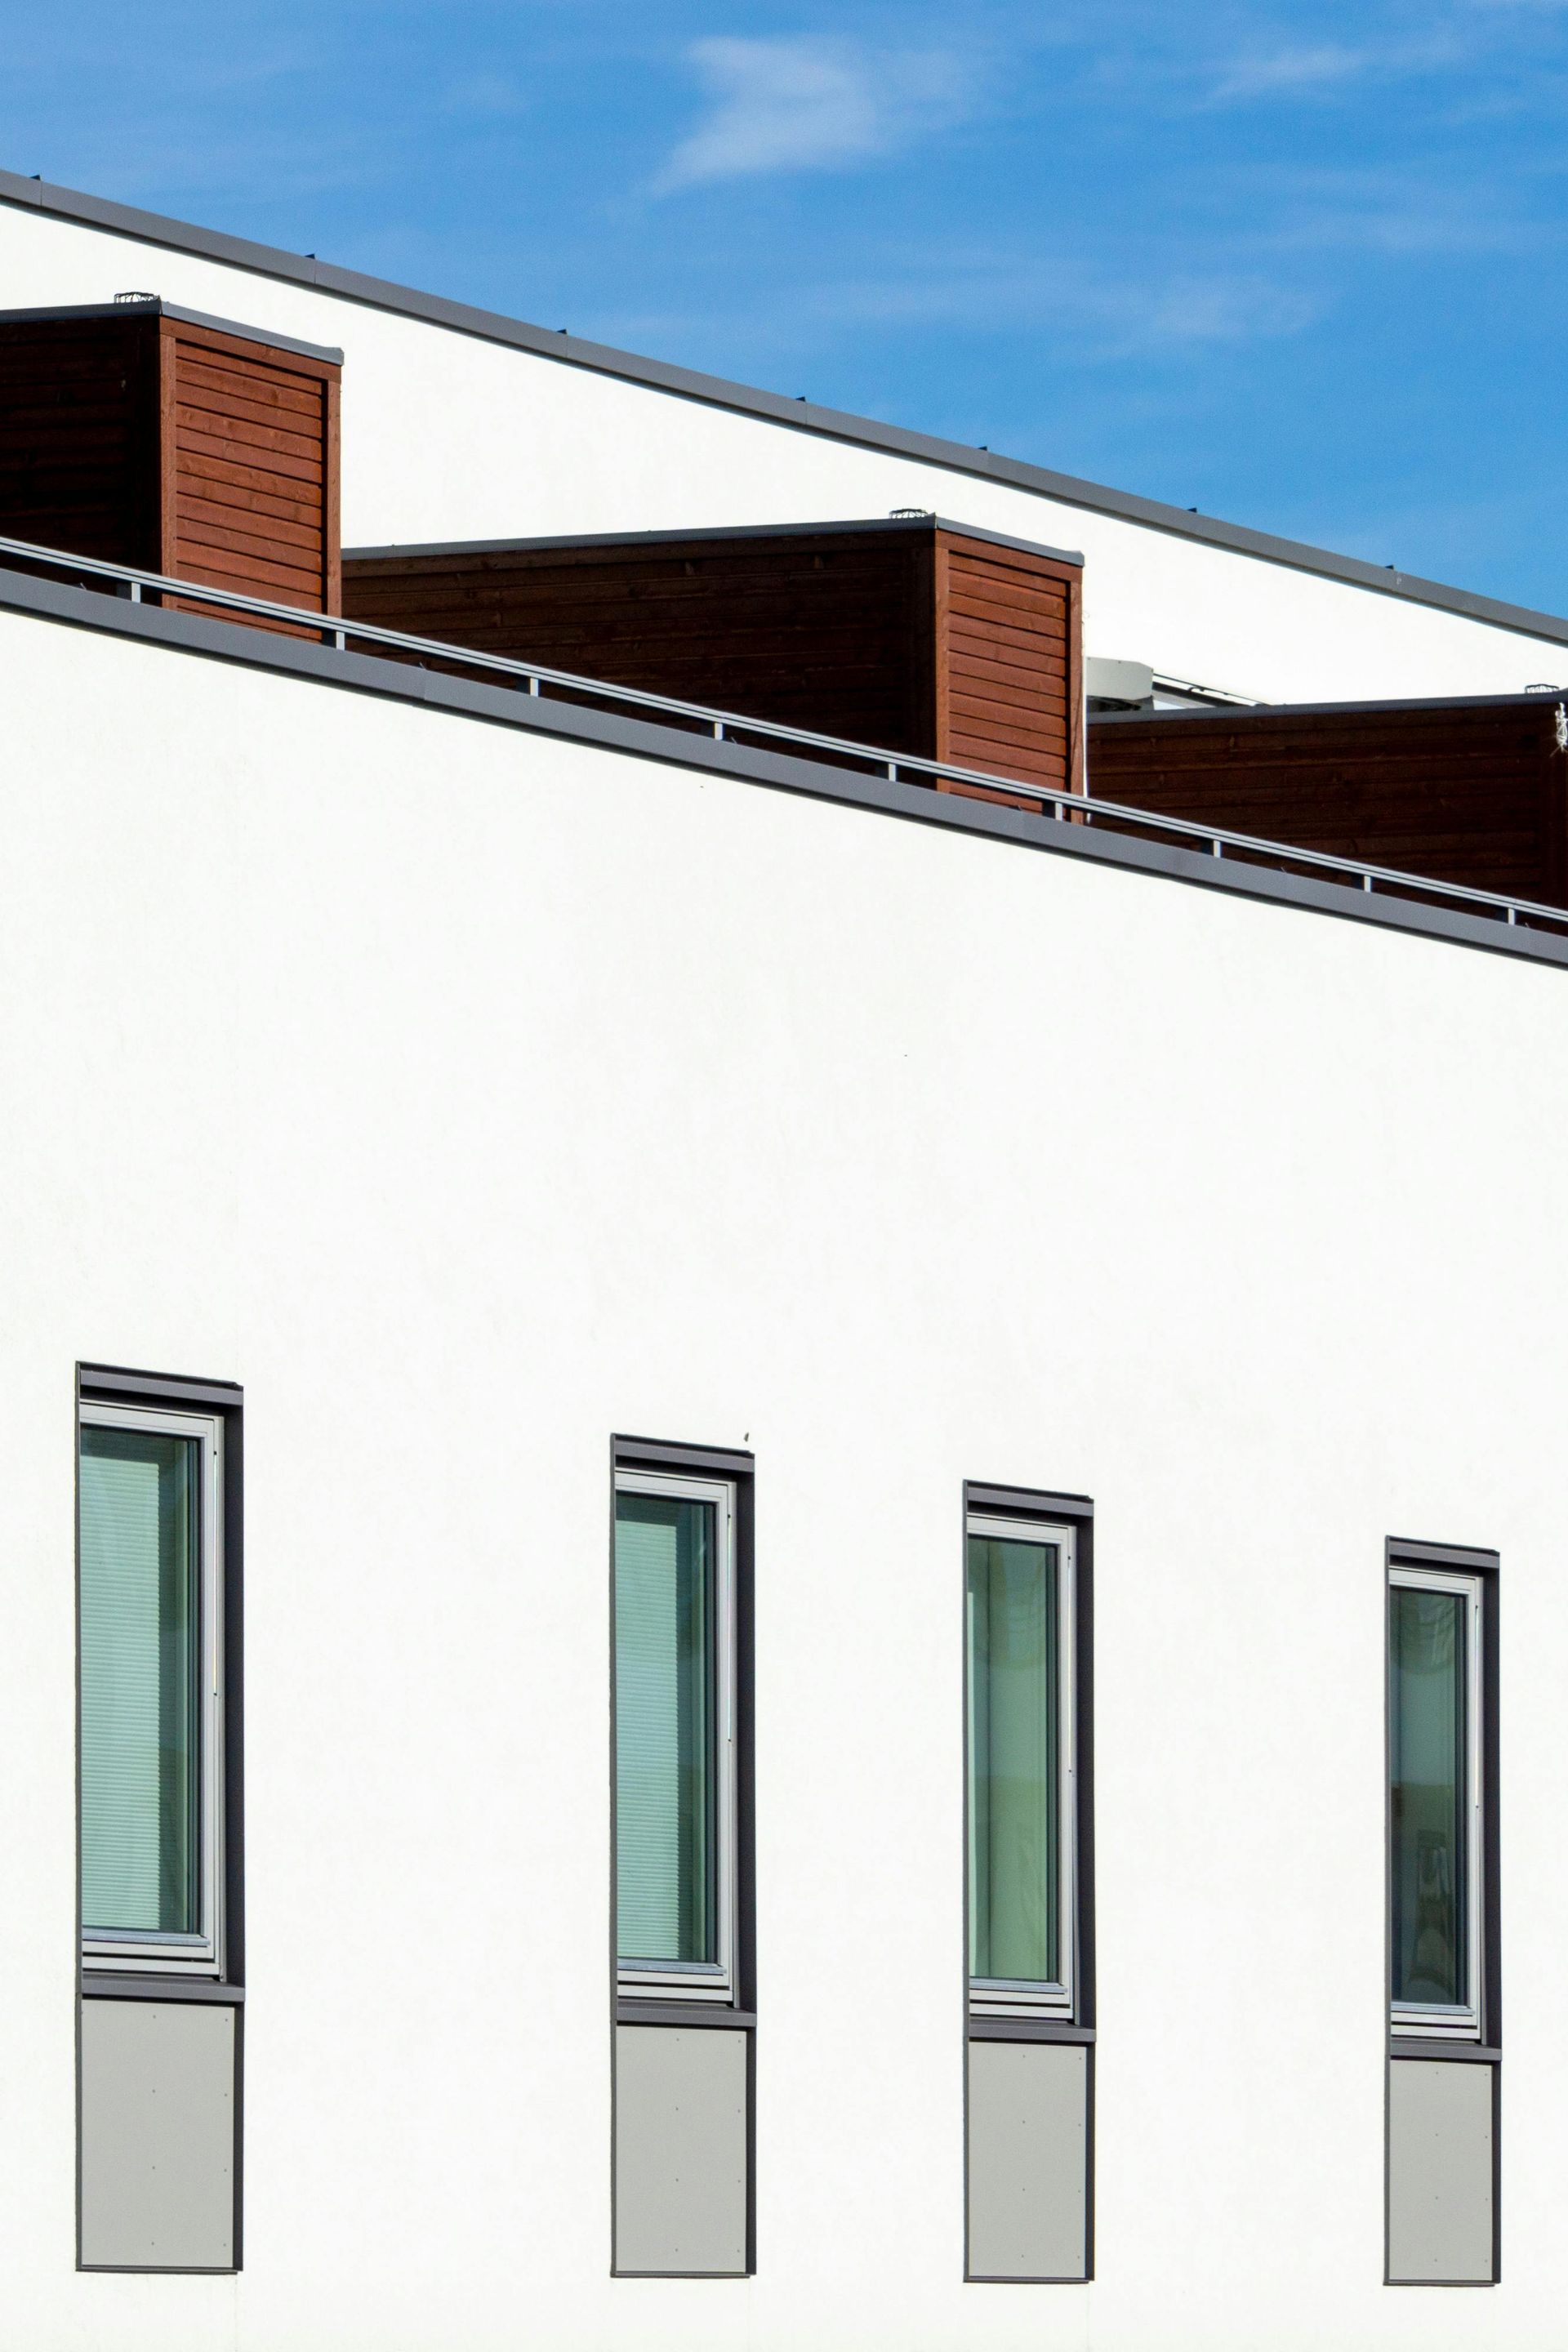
x: 227, y: 641
x: 1258, y: 714
x: 153, y: 305
x: 493, y: 326
x: 613, y: 538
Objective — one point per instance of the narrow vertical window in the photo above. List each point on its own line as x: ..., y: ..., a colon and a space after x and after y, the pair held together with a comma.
x: 1436, y: 1856
x: 149, y: 1490
x: 675, y: 1778
x: 1021, y: 1772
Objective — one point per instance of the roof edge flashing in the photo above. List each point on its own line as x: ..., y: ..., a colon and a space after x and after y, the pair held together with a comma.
x: 270, y: 261
x: 719, y: 534
x: 1261, y: 715
x: 153, y: 306
x: 645, y: 737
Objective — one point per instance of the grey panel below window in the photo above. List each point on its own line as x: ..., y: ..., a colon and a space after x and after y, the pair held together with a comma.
x: 682, y: 2189
x: 1441, y: 2225
x: 1028, y: 2160
x: 158, y: 2121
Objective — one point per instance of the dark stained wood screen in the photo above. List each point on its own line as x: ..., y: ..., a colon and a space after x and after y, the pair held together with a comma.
x: 829, y: 631
x: 901, y: 635
x: 1473, y: 792
x: 141, y: 437
x: 78, y: 435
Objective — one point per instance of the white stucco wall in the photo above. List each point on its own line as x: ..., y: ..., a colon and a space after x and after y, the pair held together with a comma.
x: 448, y: 438
x: 469, y: 1098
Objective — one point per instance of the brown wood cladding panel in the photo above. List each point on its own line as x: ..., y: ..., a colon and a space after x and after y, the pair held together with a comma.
x: 79, y: 402
x: 828, y: 633
x: 252, y: 467
x: 225, y: 389
x: 914, y: 641
x: 245, y: 520
x: 1477, y: 795
x: 1011, y: 664
x: 144, y: 440
x: 332, y: 491
x: 227, y: 486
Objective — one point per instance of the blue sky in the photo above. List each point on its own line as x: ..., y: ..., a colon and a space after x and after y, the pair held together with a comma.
x: 1298, y: 266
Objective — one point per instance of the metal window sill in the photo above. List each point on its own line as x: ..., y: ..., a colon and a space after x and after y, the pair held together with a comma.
x: 682, y: 2013
x: 1420, y: 2045
x: 994, y: 2028
x: 102, y: 1984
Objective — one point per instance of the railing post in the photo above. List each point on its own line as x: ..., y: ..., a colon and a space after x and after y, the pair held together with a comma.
x: 158, y: 590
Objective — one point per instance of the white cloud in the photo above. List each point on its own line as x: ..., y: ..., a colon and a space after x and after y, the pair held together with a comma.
x: 1399, y: 212
x: 486, y: 94
x: 811, y: 105
x: 1292, y: 69
x: 1087, y: 315
x: 1225, y: 309
x: 1306, y: 72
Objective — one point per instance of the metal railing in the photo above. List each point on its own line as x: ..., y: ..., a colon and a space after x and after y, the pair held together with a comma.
x: 727, y: 726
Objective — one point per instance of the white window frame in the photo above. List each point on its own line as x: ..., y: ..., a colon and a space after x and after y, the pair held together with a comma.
x: 698, y: 1979
x: 1450, y: 2021
x: 201, y: 1953
x: 997, y: 1996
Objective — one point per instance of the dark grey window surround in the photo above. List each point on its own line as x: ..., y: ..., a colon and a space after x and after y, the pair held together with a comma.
x: 1488, y: 2051
x: 1078, y: 1512
x: 722, y: 1461
x: 1484, y: 1564
x: 111, y: 1385
x: 799, y: 415
x: 252, y: 648
x: 117, y: 1385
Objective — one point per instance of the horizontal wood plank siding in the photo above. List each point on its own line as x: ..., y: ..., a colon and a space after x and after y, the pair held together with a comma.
x: 251, y: 447
x: 143, y: 439
x: 828, y: 632
x: 1010, y: 655
x: 882, y: 636
x: 1477, y: 795
x: 78, y: 405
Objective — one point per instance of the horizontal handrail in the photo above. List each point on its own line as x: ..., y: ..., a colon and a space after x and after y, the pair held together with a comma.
x: 336, y: 630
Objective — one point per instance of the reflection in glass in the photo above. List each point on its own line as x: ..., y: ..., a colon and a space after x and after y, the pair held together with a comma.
x: 666, y: 1759
x: 1427, y: 1741
x: 1014, y: 1762
x: 140, y: 1535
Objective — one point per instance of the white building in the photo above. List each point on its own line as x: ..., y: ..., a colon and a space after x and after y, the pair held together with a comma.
x: 1064, y: 1314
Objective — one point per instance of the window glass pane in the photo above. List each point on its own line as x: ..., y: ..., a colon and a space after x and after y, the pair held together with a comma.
x: 139, y: 1768
x: 666, y: 1763
x: 1014, y: 1762
x: 1427, y: 1724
